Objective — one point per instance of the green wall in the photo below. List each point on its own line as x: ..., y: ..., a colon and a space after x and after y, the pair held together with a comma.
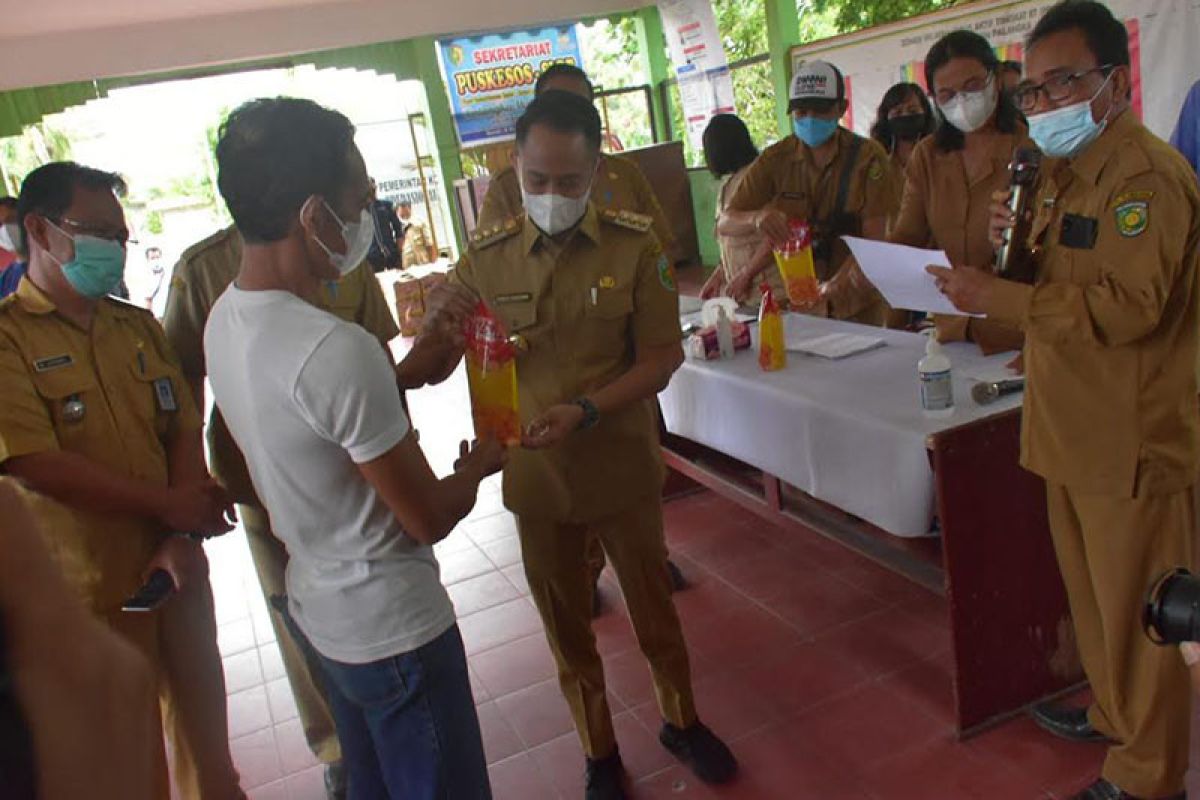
x: 704, y: 206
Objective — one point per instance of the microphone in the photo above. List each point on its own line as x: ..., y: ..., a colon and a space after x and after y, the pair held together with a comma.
x: 1012, y: 262
x: 986, y: 392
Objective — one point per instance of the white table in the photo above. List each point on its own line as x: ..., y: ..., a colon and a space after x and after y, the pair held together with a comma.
x: 849, y: 432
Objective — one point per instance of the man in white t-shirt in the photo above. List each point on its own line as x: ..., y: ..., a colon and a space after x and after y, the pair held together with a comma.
x: 312, y: 402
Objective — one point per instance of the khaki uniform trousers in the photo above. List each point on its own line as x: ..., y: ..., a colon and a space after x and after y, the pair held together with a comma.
x: 1110, y: 549
x: 180, y: 643
x: 270, y: 561
x: 561, y: 582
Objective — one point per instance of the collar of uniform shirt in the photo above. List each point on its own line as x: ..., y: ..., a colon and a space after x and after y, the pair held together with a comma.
x: 1089, y: 164
x: 32, y: 299
x: 589, y: 226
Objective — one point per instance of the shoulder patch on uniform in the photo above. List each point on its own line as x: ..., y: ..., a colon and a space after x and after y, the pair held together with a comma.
x: 666, y: 272
x: 627, y: 219
x: 487, y: 237
x: 1133, y: 217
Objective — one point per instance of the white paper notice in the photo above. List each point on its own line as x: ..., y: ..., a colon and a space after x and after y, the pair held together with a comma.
x: 898, y: 272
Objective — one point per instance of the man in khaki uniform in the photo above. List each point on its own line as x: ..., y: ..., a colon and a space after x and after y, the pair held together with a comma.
x: 1110, y: 418
x: 204, y: 271
x: 593, y: 300
x: 418, y: 239
x: 837, y: 181
x: 97, y: 421
x: 618, y: 183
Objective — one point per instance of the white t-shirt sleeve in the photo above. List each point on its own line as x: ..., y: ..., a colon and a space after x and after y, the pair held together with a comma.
x: 347, y: 392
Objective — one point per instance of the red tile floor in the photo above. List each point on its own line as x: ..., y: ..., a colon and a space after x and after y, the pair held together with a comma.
x: 828, y: 676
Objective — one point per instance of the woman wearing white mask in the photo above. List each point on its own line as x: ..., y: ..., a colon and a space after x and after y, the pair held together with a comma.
x: 951, y: 175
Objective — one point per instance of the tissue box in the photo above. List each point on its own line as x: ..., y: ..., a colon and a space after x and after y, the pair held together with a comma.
x: 703, y: 345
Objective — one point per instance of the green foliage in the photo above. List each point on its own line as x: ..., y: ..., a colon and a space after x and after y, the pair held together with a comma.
x: 851, y: 15
x: 154, y: 222
x: 40, y: 143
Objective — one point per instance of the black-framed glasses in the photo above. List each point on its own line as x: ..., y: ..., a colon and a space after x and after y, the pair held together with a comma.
x: 1057, y: 89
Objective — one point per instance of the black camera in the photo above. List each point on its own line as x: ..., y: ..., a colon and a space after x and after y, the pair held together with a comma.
x: 1172, y: 613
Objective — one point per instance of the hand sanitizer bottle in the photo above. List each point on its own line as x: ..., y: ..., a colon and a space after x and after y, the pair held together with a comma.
x: 937, y: 389
x: 724, y: 333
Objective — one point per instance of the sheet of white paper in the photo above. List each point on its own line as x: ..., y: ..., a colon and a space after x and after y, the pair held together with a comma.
x: 898, y: 272
x: 833, y: 345
x: 689, y: 304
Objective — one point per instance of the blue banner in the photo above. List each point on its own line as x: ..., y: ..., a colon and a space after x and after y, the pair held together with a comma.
x: 490, y: 78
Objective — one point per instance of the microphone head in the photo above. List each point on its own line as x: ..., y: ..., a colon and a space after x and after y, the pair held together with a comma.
x: 984, y: 392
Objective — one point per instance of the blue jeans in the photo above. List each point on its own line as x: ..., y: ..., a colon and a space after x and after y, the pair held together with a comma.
x: 408, y: 726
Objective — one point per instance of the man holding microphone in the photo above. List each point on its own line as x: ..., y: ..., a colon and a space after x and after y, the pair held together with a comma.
x: 1110, y: 418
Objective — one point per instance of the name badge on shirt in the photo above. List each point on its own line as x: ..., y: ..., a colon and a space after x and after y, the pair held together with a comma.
x: 1078, y: 232
x: 516, y: 297
x: 54, y: 362
x: 164, y: 393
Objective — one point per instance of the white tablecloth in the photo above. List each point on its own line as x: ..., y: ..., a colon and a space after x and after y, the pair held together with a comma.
x: 849, y: 432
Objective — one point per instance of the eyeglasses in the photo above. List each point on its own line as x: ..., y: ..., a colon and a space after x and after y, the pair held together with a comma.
x: 1057, y: 89
x: 120, y: 236
x: 946, y: 96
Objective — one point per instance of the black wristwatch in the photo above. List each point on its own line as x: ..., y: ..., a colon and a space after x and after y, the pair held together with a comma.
x: 591, y: 414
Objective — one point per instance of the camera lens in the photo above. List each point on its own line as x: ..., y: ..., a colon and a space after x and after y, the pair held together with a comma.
x: 1172, y: 613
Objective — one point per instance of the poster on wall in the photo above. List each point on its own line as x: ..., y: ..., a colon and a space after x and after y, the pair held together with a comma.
x: 698, y: 59
x: 490, y: 78
x: 875, y: 59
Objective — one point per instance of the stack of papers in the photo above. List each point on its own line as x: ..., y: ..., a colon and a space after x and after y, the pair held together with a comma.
x: 898, y: 272
x: 833, y: 345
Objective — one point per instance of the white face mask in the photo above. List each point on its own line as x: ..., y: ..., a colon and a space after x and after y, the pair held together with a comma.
x: 968, y: 111
x: 10, y: 236
x: 358, y: 236
x: 554, y: 213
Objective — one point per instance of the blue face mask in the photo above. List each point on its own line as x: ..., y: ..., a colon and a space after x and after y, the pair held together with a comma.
x: 1065, y: 132
x: 814, y: 131
x: 98, y: 265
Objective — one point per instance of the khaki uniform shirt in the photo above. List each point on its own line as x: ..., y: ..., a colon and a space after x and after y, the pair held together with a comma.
x: 738, y: 251
x: 203, y: 273
x: 942, y: 208
x: 113, y: 394
x: 418, y: 244
x: 1111, y: 323
x: 582, y: 306
x: 619, y: 184
x: 786, y: 178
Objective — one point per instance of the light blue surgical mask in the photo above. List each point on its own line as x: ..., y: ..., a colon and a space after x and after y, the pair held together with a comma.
x: 1065, y: 132
x: 814, y: 131
x: 98, y: 265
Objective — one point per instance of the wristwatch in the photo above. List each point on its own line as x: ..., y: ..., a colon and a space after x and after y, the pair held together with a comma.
x: 591, y: 414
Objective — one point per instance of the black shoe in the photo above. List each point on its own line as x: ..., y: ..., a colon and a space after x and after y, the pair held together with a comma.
x: 1104, y: 790
x: 335, y: 780
x: 605, y: 778
x: 678, y: 582
x: 1066, y: 722
x: 701, y: 750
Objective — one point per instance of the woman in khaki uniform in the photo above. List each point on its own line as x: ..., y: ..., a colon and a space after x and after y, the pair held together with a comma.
x: 729, y: 151
x: 952, y: 175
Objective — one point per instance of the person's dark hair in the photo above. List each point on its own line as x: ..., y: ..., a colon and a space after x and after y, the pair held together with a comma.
x: 272, y: 155
x: 727, y: 145
x: 564, y: 112
x: 404, y: 204
x: 1106, y: 36
x: 8, y: 202
x: 968, y: 44
x: 1012, y: 66
x: 49, y: 189
x: 899, y: 93
x: 563, y: 70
